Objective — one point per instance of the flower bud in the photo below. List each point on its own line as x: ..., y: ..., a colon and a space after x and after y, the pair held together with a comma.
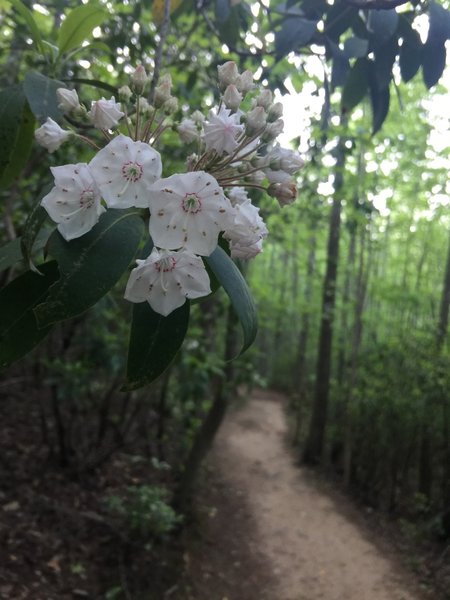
x: 125, y: 93
x: 285, y: 193
x: 162, y: 91
x: 198, y: 117
x: 170, y: 106
x: 187, y: 130
x: 105, y: 114
x: 273, y: 130
x: 232, y: 97
x: 264, y: 99
x: 139, y: 80
x: 51, y: 136
x: 256, y: 121
x: 145, y: 108
x: 244, y: 82
x: 68, y: 100
x: 228, y: 73
x: 275, y: 112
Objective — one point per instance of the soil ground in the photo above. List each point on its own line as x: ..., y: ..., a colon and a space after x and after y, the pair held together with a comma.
x: 278, y: 532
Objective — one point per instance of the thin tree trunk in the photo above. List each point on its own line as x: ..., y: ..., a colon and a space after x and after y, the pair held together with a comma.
x: 316, y: 437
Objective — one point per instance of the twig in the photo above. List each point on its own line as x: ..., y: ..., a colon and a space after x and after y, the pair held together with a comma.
x: 159, y: 50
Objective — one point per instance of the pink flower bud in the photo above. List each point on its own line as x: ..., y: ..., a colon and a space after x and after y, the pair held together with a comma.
x: 244, y: 82
x: 232, y: 97
x: 139, y: 80
x: 264, y: 99
x: 275, y: 112
x: 105, y: 114
x: 68, y: 100
x: 273, y: 130
x: 228, y: 73
x: 50, y: 135
x: 256, y: 120
x: 285, y: 193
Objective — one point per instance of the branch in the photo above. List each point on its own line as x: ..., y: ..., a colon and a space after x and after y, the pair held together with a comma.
x: 376, y: 4
x: 159, y: 50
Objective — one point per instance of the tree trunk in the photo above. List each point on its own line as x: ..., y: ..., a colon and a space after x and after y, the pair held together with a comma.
x: 316, y: 436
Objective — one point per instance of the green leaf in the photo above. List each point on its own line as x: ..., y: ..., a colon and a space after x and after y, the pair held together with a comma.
x: 355, y: 47
x: 236, y: 287
x: 382, y: 24
x: 16, y: 134
x: 33, y: 225
x: 11, y: 253
x: 41, y: 95
x: 356, y: 85
x: 154, y: 341
x: 380, y: 100
x: 27, y: 16
x: 294, y: 33
x: 78, y: 26
x: 101, y: 85
x: 433, y: 62
x: 90, y: 265
x: 19, y: 332
x: 410, y: 52
x: 384, y: 61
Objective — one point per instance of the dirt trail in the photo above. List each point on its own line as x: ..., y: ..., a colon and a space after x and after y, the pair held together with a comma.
x: 308, y: 539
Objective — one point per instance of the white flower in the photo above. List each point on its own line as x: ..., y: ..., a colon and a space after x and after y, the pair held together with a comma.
x: 124, y: 170
x: 189, y: 210
x: 51, y: 136
x: 68, y: 100
x: 237, y: 195
x: 245, y: 252
x: 105, y: 114
x: 74, y: 202
x: 165, y: 279
x: 221, y: 131
x: 188, y: 132
x: 248, y: 227
x: 228, y: 73
x: 232, y: 97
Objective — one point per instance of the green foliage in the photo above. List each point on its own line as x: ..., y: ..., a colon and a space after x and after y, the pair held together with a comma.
x: 79, y: 24
x: 145, y: 511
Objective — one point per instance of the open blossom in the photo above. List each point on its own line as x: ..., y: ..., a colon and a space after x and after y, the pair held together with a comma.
x: 124, y: 170
x: 166, y: 278
x: 221, y: 131
x: 247, y: 231
x: 68, y: 100
x: 105, y: 114
x: 50, y: 135
x: 189, y: 210
x: 74, y: 202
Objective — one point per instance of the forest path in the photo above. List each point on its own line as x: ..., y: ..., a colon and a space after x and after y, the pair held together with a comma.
x: 307, y: 537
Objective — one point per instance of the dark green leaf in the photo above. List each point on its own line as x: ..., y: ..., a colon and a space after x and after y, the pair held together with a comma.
x: 236, y: 287
x: 154, y: 341
x: 410, y: 52
x: 229, y: 29
x: 439, y: 17
x: 90, y: 265
x: 340, y: 65
x: 356, y: 85
x: 101, y: 85
x: 380, y: 106
x: 382, y: 24
x: 294, y: 33
x: 384, y: 61
x: 41, y: 95
x: 16, y: 134
x: 11, y: 253
x: 19, y: 332
x: 78, y: 26
x: 222, y: 10
x: 355, y: 47
x: 35, y: 221
x: 433, y: 62
x: 339, y: 18
x: 27, y: 16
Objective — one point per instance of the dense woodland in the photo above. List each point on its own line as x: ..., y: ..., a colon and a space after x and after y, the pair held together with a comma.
x: 352, y: 289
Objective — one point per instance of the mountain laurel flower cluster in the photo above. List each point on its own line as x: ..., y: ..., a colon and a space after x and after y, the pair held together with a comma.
x: 232, y: 151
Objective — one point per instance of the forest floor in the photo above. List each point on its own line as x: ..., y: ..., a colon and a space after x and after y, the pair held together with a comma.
x: 270, y: 530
